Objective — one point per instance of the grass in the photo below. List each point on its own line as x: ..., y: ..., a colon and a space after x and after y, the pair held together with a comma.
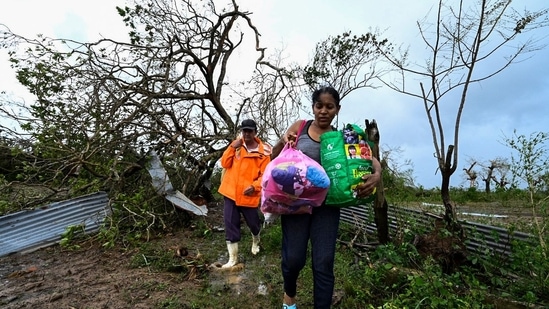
x: 390, y: 276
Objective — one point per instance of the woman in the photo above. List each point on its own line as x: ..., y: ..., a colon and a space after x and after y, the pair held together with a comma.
x: 320, y: 227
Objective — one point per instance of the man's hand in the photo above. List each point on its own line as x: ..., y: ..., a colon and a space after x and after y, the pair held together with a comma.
x: 236, y: 143
x: 249, y: 190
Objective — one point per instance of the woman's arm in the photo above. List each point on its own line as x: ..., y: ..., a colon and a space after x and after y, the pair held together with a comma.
x: 371, y: 181
x: 289, y: 136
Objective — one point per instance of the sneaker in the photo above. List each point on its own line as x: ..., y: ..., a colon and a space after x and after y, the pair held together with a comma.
x: 284, y: 306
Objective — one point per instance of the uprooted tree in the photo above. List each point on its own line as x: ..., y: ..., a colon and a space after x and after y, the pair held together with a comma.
x: 464, y: 44
x: 102, y: 106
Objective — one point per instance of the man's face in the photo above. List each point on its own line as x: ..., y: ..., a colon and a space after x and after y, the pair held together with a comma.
x: 248, y: 135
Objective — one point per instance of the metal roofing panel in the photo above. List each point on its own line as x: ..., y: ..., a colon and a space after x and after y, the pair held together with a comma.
x: 29, y: 230
x: 163, y: 186
x: 480, y: 236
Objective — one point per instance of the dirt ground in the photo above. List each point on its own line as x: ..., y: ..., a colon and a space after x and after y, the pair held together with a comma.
x: 94, y: 277
x: 91, y: 277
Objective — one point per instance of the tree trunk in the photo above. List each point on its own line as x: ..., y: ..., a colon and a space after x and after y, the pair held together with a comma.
x: 487, y: 185
x: 489, y: 177
x: 449, y: 210
x: 380, y: 204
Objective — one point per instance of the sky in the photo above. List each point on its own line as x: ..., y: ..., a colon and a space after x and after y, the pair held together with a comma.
x: 516, y: 99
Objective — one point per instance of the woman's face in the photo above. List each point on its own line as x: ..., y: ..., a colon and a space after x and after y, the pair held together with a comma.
x: 325, y: 109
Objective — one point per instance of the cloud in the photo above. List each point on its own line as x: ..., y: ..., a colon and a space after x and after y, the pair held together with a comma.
x: 515, y: 99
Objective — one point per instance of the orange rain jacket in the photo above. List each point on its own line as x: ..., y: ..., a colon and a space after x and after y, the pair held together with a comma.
x: 242, y: 169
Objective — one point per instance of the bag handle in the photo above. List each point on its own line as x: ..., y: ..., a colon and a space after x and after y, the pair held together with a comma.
x: 303, y: 122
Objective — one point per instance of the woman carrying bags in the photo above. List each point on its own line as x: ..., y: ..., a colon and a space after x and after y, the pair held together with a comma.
x: 321, y: 226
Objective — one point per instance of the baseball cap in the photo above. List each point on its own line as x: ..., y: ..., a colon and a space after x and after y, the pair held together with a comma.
x: 248, y: 124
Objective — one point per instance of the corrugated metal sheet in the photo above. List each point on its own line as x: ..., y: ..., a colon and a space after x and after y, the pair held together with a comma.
x: 163, y: 186
x: 480, y: 237
x: 29, y: 230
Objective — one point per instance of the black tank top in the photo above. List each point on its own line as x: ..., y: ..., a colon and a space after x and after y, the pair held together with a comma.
x: 307, y: 145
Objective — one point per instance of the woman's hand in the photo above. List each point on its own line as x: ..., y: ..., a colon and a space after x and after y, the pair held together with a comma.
x: 367, y: 188
x: 290, y: 137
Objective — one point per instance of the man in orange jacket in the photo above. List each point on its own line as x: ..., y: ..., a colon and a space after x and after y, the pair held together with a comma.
x: 244, y: 162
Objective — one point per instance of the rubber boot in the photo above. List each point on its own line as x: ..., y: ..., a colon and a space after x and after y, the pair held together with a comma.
x: 232, y: 247
x: 255, y: 244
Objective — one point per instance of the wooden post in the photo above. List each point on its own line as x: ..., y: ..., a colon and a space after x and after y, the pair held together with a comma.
x: 380, y: 203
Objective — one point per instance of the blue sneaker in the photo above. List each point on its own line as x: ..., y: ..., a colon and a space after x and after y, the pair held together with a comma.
x: 284, y: 306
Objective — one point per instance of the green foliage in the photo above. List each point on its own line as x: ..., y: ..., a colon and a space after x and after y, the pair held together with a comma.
x: 90, y: 130
x: 70, y: 233
x: 172, y: 302
x: 271, y: 241
x: 415, y: 281
x: 399, y: 278
x: 531, y: 265
x: 141, y: 214
x: 153, y: 257
x: 532, y: 163
x: 109, y: 234
x: 4, y: 207
x: 470, y: 194
x: 398, y: 187
x: 338, y: 60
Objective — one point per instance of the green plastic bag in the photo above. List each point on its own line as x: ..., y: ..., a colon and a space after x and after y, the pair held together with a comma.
x: 346, y: 156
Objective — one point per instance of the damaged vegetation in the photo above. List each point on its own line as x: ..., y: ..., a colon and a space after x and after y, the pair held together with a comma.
x: 176, y: 268
x: 91, y: 130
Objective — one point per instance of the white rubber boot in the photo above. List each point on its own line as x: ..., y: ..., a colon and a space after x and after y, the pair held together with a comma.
x: 232, y: 247
x: 255, y: 244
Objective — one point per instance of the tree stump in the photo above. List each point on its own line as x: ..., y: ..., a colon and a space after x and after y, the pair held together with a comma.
x: 380, y: 203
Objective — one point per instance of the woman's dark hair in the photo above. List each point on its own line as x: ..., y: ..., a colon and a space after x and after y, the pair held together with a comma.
x: 326, y: 89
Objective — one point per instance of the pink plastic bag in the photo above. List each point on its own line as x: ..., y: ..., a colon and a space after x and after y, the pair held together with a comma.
x: 293, y: 183
x: 270, y: 207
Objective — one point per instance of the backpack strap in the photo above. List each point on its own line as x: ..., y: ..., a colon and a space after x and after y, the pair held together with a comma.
x: 303, y: 123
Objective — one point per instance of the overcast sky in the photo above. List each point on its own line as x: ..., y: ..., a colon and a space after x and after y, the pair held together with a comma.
x: 515, y: 99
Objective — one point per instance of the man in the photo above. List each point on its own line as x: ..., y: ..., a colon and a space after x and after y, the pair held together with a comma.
x: 244, y: 162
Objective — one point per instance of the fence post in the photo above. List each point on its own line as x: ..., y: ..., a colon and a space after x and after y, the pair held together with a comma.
x: 380, y: 203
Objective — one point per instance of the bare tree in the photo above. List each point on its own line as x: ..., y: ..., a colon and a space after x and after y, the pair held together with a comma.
x: 471, y: 175
x: 101, y: 106
x: 275, y: 98
x: 496, y: 170
x: 460, y: 40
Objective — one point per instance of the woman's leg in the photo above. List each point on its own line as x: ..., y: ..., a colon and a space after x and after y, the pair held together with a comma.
x: 324, y: 228
x: 295, y: 238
